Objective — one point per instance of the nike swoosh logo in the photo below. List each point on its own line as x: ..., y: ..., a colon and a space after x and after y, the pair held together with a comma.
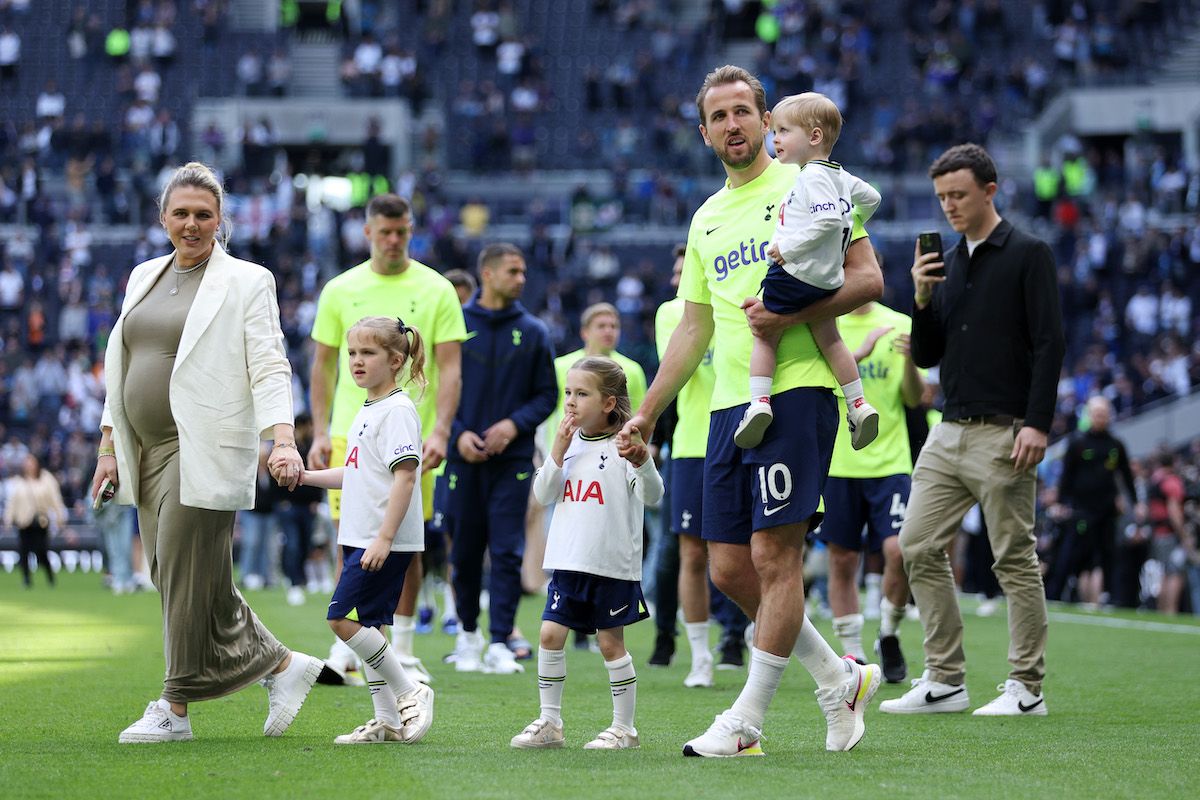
x: 930, y: 697
x: 1031, y: 706
x: 708, y: 231
x: 471, y: 335
x: 334, y: 603
x: 618, y: 611
x: 769, y: 511
x: 522, y: 476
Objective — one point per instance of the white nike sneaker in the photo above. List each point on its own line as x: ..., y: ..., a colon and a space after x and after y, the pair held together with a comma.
x: 287, y: 691
x: 539, y: 734
x: 754, y: 424
x: 415, y: 669
x: 928, y: 697
x: 701, y: 674
x: 845, y: 705
x: 728, y: 736
x: 416, y: 713
x: 863, y: 420
x: 614, y: 738
x: 468, y: 651
x: 158, y: 724
x: 499, y: 660
x: 1014, y: 701
x: 373, y: 732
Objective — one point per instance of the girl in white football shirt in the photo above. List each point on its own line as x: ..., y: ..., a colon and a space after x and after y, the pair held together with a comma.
x: 600, y: 487
x: 382, y: 524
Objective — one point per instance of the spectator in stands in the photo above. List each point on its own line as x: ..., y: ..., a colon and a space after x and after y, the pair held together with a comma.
x: 214, y: 643
x: 34, y: 507
x: 10, y: 53
x: 250, y: 73
x: 279, y: 73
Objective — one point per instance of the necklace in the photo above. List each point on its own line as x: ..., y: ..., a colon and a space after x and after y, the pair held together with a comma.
x: 174, y: 291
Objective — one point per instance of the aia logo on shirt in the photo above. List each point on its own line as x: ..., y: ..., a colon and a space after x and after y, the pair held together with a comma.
x: 352, y: 457
x: 576, y: 493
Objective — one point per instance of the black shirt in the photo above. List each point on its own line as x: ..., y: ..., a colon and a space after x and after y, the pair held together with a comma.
x: 1090, y: 468
x: 996, y: 327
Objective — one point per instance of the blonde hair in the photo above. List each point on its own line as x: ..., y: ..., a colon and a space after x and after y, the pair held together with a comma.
x: 398, y: 339
x: 596, y: 310
x: 811, y: 110
x: 612, y: 383
x: 198, y: 176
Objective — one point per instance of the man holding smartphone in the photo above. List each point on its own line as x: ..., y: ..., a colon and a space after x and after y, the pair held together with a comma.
x: 994, y: 324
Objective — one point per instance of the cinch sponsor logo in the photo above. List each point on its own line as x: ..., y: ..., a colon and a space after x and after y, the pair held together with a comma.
x: 826, y: 206
x: 744, y: 254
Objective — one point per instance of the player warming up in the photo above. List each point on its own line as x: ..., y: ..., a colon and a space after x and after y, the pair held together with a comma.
x: 600, y: 481
x: 806, y: 254
x: 382, y: 525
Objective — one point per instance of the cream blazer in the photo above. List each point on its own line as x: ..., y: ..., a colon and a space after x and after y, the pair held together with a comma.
x: 230, y: 385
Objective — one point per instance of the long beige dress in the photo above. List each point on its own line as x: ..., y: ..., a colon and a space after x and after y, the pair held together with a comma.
x: 213, y: 643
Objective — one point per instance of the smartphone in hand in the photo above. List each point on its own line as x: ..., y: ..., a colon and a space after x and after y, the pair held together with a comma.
x: 931, y: 242
x: 108, y: 490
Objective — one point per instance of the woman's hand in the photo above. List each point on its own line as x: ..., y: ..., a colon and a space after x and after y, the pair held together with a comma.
x: 285, y: 466
x: 106, y: 469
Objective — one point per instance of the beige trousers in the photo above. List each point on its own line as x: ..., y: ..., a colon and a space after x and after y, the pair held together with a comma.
x: 960, y: 465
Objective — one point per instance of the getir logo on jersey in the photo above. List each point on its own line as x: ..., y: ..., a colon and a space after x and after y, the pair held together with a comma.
x: 745, y: 254
x: 576, y: 492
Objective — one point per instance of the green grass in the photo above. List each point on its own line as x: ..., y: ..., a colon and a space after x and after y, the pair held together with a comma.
x: 78, y: 665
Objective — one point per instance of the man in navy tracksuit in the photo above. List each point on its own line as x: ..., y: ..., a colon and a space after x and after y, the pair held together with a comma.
x: 509, y: 388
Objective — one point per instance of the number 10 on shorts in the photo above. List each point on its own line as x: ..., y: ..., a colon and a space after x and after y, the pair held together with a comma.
x: 775, y: 487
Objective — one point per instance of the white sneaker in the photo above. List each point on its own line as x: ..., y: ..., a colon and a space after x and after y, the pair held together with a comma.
x: 863, y: 421
x: 373, y: 732
x: 614, y: 738
x: 158, y: 724
x: 416, y: 713
x: 987, y: 607
x: 1014, y: 701
x: 341, y: 658
x: 295, y: 596
x: 728, y: 736
x: 928, y: 697
x: 701, y: 674
x: 541, y: 733
x: 845, y: 705
x: 253, y: 582
x: 754, y: 424
x: 499, y: 660
x: 468, y: 650
x: 415, y: 669
x: 287, y: 691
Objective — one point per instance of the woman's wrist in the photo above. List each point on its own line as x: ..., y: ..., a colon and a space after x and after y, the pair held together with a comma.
x: 106, y: 450
x: 286, y: 444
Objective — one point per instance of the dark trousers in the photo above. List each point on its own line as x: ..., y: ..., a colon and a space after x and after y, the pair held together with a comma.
x: 34, y: 539
x: 486, y: 515
x: 296, y: 522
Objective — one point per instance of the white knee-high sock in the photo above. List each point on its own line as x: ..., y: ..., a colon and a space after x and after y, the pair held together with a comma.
x: 766, y: 671
x: 697, y: 634
x: 623, y: 681
x: 402, y: 635
x: 818, y: 657
x: 849, y: 631
x: 552, y: 674
x: 369, y: 645
x: 382, y: 697
x: 760, y: 388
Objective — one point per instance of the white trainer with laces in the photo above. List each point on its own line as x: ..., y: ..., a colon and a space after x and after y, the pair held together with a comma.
x: 373, y: 732
x: 415, y: 669
x: 727, y: 737
x: 614, y: 738
x: 468, y: 651
x: 701, y: 673
x: 416, y: 713
x: 158, y: 724
x: 499, y: 660
x: 863, y: 420
x: 927, y: 696
x: 754, y: 424
x: 845, y: 705
x: 1014, y: 701
x: 287, y: 691
x: 539, y: 734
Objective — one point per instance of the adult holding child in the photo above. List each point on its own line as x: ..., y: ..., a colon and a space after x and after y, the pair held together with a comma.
x: 196, y: 374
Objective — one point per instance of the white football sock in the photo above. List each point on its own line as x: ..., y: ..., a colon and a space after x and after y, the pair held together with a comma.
x: 818, y: 657
x: 623, y: 681
x: 890, y: 617
x: 451, y: 607
x: 552, y: 674
x: 849, y: 631
x: 382, y: 697
x: 402, y: 635
x: 766, y: 671
x: 853, y: 390
x: 697, y: 634
x: 759, y: 387
x: 369, y: 645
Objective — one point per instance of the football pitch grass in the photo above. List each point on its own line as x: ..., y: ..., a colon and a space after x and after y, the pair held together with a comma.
x: 78, y: 665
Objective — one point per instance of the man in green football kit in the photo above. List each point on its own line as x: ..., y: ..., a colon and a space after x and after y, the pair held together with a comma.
x: 870, y: 486
x: 760, y: 502
x: 389, y: 284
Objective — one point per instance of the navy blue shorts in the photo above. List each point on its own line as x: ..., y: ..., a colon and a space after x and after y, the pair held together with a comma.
x: 851, y: 503
x: 369, y: 598
x: 780, y: 481
x: 783, y: 293
x: 687, y: 495
x: 588, y: 603
x: 441, y: 502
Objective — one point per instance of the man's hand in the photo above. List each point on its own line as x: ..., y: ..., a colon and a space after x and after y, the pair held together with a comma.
x: 320, y: 451
x: 433, y: 451
x: 632, y: 448
x: 902, y: 344
x: 472, y: 448
x: 1029, y: 449
x: 763, y: 323
x: 499, y: 436
x: 923, y: 282
x: 638, y: 425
